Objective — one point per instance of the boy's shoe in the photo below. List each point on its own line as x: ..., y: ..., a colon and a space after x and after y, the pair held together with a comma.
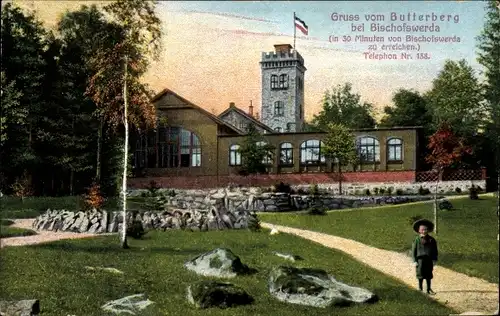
x: 431, y: 292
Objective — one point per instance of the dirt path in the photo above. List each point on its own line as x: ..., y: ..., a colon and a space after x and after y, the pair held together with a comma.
x: 41, y: 237
x: 458, y: 291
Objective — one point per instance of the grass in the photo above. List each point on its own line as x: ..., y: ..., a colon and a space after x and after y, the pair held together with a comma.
x: 55, y: 274
x: 6, y: 231
x: 467, y: 236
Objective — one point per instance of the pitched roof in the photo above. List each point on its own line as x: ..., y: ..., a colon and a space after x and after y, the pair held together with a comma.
x: 216, y: 119
x: 250, y: 118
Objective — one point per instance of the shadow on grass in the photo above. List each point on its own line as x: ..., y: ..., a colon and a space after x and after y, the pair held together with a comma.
x: 72, y: 247
x: 466, y: 291
x: 477, y: 257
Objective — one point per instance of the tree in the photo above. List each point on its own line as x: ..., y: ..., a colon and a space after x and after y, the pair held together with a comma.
x: 456, y: 99
x: 489, y: 57
x: 446, y: 149
x: 340, y: 146
x: 342, y: 106
x: 255, y: 153
x: 409, y: 109
x: 12, y: 112
x: 117, y: 80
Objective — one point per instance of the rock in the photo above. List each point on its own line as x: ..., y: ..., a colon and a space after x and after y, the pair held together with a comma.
x: 288, y: 256
x: 314, y: 287
x: 220, y: 262
x: 20, y: 308
x: 111, y: 270
x: 132, y: 305
x: 93, y: 229
x: 206, y: 294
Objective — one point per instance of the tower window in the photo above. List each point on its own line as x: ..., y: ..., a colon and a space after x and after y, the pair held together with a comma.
x: 274, y: 82
x: 279, y: 108
x: 283, y: 81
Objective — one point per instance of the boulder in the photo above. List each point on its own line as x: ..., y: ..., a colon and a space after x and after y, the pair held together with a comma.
x: 20, y: 308
x: 206, y: 294
x: 220, y: 262
x: 314, y: 287
x: 130, y: 305
x: 288, y: 256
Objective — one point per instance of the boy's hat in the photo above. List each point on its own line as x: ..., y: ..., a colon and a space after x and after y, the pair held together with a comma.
x: 425, y: 222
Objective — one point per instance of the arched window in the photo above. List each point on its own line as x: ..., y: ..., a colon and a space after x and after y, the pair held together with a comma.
x: 279, y: 108
x: 286, y: 154
x: 178, y: 147
x: 234, y: 155
x: 368, y: 149
x: 394, y: 149
x: 283, y: 81
x: 268, y: 158
x: 274, y: 81
x: 310, y: 152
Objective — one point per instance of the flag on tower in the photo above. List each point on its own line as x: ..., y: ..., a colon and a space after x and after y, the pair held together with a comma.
x: 301, y: 25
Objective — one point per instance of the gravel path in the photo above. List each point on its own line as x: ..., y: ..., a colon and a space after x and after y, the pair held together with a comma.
x: 458, y: 291
x: 41, y: 237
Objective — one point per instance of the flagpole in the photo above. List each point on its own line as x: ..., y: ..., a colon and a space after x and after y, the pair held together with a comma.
x: 294, y: 31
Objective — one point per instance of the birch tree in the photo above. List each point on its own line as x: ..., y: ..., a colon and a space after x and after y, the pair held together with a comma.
x: 116, y: 85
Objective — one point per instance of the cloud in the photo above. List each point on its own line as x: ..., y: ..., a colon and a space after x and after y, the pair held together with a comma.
x: 230, y: 15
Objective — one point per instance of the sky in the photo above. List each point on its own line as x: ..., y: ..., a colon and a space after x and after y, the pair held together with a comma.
x: 212, y: 49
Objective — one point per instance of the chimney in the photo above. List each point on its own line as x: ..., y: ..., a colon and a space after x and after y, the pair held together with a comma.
x: 282, y: 48
x: 257, y: 116
x: 250, y: 109
x: 231, y: 104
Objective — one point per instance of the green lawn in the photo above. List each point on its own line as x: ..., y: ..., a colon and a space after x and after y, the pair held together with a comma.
x: 55, y: 274
x: 467, y: 236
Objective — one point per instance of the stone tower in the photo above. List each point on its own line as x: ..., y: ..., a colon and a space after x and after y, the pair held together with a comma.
x: 283, y: 89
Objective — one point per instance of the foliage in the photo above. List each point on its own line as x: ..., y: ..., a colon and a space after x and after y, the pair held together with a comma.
x: 316, y: 211
x: 135, y: 230
x: 7, y: 232
x: 342, y: 106
x: 473, y: 193
x: 445, y: 205
x: 254, y: 224
x: 476, y: 222
x: 458, y: 190
x: 155, y: 200
x: 376, y: 190
x: 255, y: 153
x: 94, y: 199
x: 456, y: 99
x: 446, y: 148
x: 382, y: 191
x: 314, y: 190
x: 390, y: 190
x: 399, y: 192
x: 422, y: 191
x: 282, y: 188
x: 409, y: 109
x: 367, y: 192
x: 22, y: 187
x: 12, y: 112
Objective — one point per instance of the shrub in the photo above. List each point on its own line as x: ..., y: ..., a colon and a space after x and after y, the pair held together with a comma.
x: 135, y: 230
x: 254, y: 224
x: 21, y: 188
x: 399, y: 192
x: 313, y: 189
x: 382, y: 191
x: 93, y: 198
x: 301, y: 191
x: 413, y: 219
x: 458, y: 190
x: 153, y: 188
x: 282, y: 188
x: 422, y: 191
x: 445, y: 205
x: 375, y: 190
x: 473, y: 193
x: 367, y: 192
x: 390, y: 190
x: 357, y: 192
x: 316, y: 211
x: 6, y: 222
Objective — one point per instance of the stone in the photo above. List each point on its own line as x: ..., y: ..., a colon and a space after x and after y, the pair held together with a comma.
x: 206, y: 294
x: 288, y: 256
x: 93, y: 229
x: 132, y: 305
x: 111, y: 270
x: 220, y: 262
x: 314, y: 287
x: 20, y: 308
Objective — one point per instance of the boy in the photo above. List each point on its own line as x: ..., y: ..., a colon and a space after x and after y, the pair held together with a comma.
x: 425, y: 253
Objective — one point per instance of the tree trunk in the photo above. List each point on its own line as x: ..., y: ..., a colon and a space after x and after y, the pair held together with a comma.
x: 71, y: 179
x: 125, y: 159
x: 99, y: 144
